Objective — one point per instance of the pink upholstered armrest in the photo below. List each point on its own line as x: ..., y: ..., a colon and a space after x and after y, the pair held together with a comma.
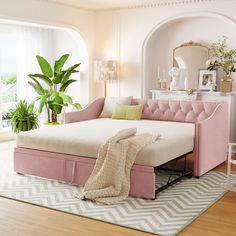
x: 211, y: 140
x: 92, y: 111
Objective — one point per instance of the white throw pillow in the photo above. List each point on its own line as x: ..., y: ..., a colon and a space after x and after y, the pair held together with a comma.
x: 110, y: 103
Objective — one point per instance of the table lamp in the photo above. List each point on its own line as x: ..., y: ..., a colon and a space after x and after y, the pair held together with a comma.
x: 105, y: 70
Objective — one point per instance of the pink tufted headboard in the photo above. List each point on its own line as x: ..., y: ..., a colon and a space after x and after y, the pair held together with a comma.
x: 182, y: 111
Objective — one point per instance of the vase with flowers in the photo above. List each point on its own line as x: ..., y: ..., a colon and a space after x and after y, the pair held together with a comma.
x: 222, y: 58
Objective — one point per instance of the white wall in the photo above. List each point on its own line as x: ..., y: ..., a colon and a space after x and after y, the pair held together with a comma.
x: 51, y: 14
x: 199, y: 29
x: 118, y: 34
x: 126, y: 31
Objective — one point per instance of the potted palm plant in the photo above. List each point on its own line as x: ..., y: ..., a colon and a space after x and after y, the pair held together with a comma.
x: 23, y: 117
x: 51, y: 93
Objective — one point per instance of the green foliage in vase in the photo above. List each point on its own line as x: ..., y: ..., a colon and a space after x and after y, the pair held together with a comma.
x: 51, y: 86
x: 222, y: 57
x: 23, y: 117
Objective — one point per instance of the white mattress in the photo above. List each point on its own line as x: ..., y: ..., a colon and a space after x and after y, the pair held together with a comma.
x: 84, y: 138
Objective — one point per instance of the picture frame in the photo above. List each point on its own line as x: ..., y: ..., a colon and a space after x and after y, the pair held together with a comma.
x: 206, y: 80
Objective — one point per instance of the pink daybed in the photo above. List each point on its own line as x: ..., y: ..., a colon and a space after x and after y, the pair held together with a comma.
x: 208, y: 119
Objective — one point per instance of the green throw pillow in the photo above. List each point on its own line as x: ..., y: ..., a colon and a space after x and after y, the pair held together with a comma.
x: 127, y: 112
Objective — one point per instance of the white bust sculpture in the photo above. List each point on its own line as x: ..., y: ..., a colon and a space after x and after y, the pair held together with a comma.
x: 175, y: 82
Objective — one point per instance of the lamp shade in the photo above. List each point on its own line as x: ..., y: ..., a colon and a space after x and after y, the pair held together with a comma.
x: 105, y: 70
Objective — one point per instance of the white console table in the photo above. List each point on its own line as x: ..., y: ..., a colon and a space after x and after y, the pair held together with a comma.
x: 204, y: 96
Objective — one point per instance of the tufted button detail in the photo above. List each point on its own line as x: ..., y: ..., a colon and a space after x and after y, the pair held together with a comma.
x: 183, y: 111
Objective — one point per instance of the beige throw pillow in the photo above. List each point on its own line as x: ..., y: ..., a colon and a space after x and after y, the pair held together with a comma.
x: 110, y: 104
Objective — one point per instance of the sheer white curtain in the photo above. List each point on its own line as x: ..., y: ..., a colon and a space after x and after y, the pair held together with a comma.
x: 7, y: 68
x: 31, y: 41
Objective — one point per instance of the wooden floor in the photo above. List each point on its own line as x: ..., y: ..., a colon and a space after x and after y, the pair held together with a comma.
x: 21, y: 219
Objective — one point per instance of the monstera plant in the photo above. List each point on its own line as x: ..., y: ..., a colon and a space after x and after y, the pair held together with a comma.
x: 51, y: 86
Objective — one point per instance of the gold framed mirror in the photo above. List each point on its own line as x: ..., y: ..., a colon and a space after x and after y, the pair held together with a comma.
x: 190, y: 57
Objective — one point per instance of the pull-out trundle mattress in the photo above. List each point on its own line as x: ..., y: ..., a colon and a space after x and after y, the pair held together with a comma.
x: 68, y: 152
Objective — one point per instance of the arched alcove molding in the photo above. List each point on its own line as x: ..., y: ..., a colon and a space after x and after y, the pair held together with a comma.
x: 81, y: 42
x: 167, y: 23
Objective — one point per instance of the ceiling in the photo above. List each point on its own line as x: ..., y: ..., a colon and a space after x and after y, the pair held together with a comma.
x: 97, y: 5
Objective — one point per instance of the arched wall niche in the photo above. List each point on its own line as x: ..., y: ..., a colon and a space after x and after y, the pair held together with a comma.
x: 72, y: 34
x: 157, y: 51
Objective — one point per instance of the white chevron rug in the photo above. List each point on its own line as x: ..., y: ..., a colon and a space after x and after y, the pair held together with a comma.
x: 173, y: 209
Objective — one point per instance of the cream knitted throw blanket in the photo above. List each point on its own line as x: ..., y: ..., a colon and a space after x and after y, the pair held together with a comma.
x: 110, y: 180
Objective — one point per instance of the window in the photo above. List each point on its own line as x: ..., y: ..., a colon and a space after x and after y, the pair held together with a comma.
x: 8, y: 77
x: 19, y: 44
